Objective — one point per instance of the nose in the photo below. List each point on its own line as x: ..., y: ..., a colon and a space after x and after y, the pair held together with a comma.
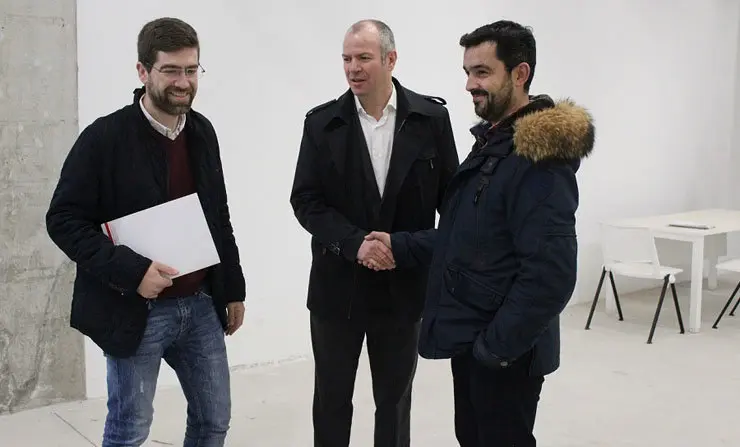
x: 470, y: 84
x: 354, y: 66
x: 182, y: 82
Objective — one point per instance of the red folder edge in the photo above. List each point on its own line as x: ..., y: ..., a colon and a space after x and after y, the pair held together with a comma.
x: 109, y: 233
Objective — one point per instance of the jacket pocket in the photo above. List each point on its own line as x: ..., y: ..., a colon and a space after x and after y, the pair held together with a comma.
x: 472, y: 292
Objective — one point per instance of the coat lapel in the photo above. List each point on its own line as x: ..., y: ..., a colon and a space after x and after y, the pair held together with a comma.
x: 347, y: 145
x: 338, y: 147
x: 406, y: 149
x: 359, y: 144
x: 407, y: 146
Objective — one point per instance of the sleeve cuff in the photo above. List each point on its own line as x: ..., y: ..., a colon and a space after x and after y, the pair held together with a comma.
x: 399, y: 247
x: 486, y: 357
x: 350, y: 248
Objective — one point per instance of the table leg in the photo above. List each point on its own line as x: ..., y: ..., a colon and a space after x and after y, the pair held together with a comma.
x: 697, y: 270
x: 717, y: 247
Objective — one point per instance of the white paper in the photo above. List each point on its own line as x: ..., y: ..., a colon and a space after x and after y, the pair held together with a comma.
x: 174, y: 233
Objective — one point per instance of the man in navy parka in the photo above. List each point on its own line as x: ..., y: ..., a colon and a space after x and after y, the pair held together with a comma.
x: 503, y: 261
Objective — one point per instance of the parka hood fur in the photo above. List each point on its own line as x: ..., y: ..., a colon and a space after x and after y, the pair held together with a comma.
x: 562, y: 131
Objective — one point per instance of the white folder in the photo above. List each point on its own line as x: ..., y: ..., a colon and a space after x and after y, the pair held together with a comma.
x: 174, y: 233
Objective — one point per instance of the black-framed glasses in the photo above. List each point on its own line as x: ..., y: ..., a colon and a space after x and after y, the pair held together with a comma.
x: 173, y: 72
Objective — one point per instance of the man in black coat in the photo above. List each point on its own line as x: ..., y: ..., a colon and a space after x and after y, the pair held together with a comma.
x: 377, y: 158
x: 504, y: 257
x: 152, y: 151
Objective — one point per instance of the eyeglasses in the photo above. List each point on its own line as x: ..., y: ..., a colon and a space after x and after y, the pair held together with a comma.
x: 175, y: 72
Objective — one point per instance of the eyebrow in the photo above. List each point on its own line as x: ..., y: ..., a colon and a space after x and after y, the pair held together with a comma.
x: 178, y: 66
x: 478, y: 67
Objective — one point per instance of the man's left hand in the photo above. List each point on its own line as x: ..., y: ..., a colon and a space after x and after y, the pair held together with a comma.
x: 234, y: 317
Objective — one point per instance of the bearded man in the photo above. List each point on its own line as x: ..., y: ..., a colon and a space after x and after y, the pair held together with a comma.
x: 155, y: 150
x: 503, y: 262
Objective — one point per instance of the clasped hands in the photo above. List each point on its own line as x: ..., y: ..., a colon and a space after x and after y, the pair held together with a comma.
x: 376, y: 253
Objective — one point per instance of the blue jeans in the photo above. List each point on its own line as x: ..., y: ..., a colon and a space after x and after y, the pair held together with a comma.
x: 188, y: 335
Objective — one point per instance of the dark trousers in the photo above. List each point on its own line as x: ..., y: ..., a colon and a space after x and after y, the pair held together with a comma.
x: 392, y: 351
x: 495, y: 408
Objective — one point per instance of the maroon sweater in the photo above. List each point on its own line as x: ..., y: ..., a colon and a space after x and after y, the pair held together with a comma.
x: 182, y: 183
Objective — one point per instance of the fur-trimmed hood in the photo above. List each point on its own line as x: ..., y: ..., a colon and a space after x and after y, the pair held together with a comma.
x: 564, y: 131
x: 544, y: 130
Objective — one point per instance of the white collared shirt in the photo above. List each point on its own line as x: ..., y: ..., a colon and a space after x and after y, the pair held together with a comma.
x: 379, y: 137
x: 161, y: 128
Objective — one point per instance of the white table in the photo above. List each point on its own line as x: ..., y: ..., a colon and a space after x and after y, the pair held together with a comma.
x: 705, y: 245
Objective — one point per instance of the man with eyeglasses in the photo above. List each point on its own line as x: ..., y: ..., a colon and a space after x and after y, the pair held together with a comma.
x: 152, y: 151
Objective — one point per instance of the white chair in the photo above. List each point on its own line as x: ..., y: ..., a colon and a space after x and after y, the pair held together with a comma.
x: 732, y: 265
x: 630, y: 251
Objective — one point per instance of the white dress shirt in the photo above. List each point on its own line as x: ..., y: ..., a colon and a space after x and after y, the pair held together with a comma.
x: 379, y: 137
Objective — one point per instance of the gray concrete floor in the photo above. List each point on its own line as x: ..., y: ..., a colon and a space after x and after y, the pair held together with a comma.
x: 612, y: 390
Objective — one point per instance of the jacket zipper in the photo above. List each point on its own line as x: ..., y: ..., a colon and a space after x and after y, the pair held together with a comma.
x: 478, y: 194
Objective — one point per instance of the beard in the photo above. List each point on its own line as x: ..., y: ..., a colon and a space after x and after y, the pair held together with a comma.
x: 496, y: 105
x: 166, y: 103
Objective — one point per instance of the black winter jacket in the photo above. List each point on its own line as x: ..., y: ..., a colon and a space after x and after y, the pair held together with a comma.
x: 116, y: 168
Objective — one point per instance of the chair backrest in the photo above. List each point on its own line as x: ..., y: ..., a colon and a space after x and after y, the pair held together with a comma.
x: 629, y: 245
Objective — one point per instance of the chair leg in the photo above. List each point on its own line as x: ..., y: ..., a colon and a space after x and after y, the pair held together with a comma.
x: 732, y: 312
x: 596, y: 298
x: 616, y: 296
x: 678, y: 308
x: 657, y: 310
x: 727, y: 304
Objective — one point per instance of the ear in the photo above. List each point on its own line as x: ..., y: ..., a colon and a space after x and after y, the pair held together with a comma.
x: 520, y: 73
x: 143, y: 72
x: 391, y: 59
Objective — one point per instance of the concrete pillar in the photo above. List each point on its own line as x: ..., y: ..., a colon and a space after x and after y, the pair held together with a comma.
x: 41, y: 358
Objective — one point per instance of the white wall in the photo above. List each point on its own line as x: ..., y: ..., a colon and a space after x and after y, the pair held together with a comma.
x: 654, y: 75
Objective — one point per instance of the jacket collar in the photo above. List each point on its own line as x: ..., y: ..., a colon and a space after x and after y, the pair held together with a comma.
x: 484, y: 130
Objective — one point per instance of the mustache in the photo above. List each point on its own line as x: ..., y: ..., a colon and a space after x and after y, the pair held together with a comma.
x: 179, y: 90
x: 479, y: 92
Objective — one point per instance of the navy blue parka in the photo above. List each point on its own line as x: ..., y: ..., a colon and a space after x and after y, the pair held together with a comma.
x: 503, y: 260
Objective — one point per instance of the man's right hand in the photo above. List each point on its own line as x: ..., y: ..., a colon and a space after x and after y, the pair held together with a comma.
x: 381, y: 236
x: 156, y: 279
x: 375, y: 255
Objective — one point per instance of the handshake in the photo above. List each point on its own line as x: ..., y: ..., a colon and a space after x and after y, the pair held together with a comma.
x: 375, y: 252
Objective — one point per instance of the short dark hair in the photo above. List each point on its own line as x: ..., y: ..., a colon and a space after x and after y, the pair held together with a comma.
x: 165, y: 34
x: 514, y: 44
